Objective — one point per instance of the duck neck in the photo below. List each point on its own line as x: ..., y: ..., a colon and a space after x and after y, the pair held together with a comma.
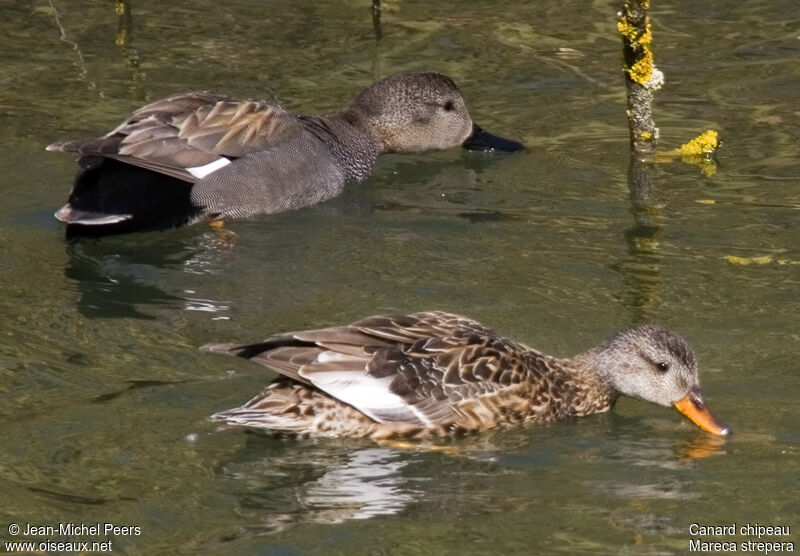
x: 593, y: 381
x: 354, y: 150
x: 597, y: 365
x: 574, y: 387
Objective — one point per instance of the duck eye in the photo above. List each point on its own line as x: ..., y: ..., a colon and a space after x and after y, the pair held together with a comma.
x: 448, y: 106
x: 663, y: 367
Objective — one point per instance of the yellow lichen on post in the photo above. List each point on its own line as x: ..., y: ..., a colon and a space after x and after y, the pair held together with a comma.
x: 704, y: 144
x: 626, y: 29
x: 639, y: 40
x: 642, y: 70
x: 647, y: 37
x: 699, y: 151
x: 631, y: 32
x: 642, y: 78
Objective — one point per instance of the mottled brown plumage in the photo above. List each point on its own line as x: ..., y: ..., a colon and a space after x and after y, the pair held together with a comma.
x: 435, y: 373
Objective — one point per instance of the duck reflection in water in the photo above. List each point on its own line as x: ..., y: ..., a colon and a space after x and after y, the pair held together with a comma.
x: 360, y: 484
x: 127, y: 280
x: 367, y: 485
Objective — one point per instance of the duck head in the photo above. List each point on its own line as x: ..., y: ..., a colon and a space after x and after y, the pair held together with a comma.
x: 656, y: 365
x: 417, y: 112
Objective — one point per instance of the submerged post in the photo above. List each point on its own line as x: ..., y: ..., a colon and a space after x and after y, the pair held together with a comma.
x: 376, y: 19
x: 642, y: 78
x: 378, y: 30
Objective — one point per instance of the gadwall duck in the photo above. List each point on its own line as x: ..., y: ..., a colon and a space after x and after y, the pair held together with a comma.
x: 436, y: 374
x: 205, y: 156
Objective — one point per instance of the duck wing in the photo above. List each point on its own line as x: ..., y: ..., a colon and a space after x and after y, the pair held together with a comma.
x: 189, y: 135
x: 426, y: 369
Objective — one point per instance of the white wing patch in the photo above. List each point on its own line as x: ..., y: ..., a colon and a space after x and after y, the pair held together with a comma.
x: 332, y: 356
x: 367, y: 394
x: 210, y: 168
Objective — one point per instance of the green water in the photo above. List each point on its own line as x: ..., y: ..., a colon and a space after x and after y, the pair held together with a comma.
x: 104, y: 398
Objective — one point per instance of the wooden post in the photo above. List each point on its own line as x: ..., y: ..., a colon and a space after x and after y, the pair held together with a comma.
x: 642, y: 78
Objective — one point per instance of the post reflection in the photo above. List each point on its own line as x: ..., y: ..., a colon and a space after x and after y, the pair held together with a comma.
x: 641, y: 269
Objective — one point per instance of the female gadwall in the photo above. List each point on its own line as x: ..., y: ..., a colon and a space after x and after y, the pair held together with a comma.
x: 205, y: 156
x: 434, y: 374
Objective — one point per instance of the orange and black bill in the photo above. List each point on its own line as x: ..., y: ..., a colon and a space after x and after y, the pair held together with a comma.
x: 695, y: 409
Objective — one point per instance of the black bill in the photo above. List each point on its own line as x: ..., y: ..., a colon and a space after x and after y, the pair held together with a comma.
x: 482, y: 140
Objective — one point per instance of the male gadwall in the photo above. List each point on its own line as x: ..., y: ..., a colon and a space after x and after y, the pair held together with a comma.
x: 435, y: 374
x: 205, y: 156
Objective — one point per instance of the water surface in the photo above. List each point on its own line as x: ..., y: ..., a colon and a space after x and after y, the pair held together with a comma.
x: 104, y: 398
